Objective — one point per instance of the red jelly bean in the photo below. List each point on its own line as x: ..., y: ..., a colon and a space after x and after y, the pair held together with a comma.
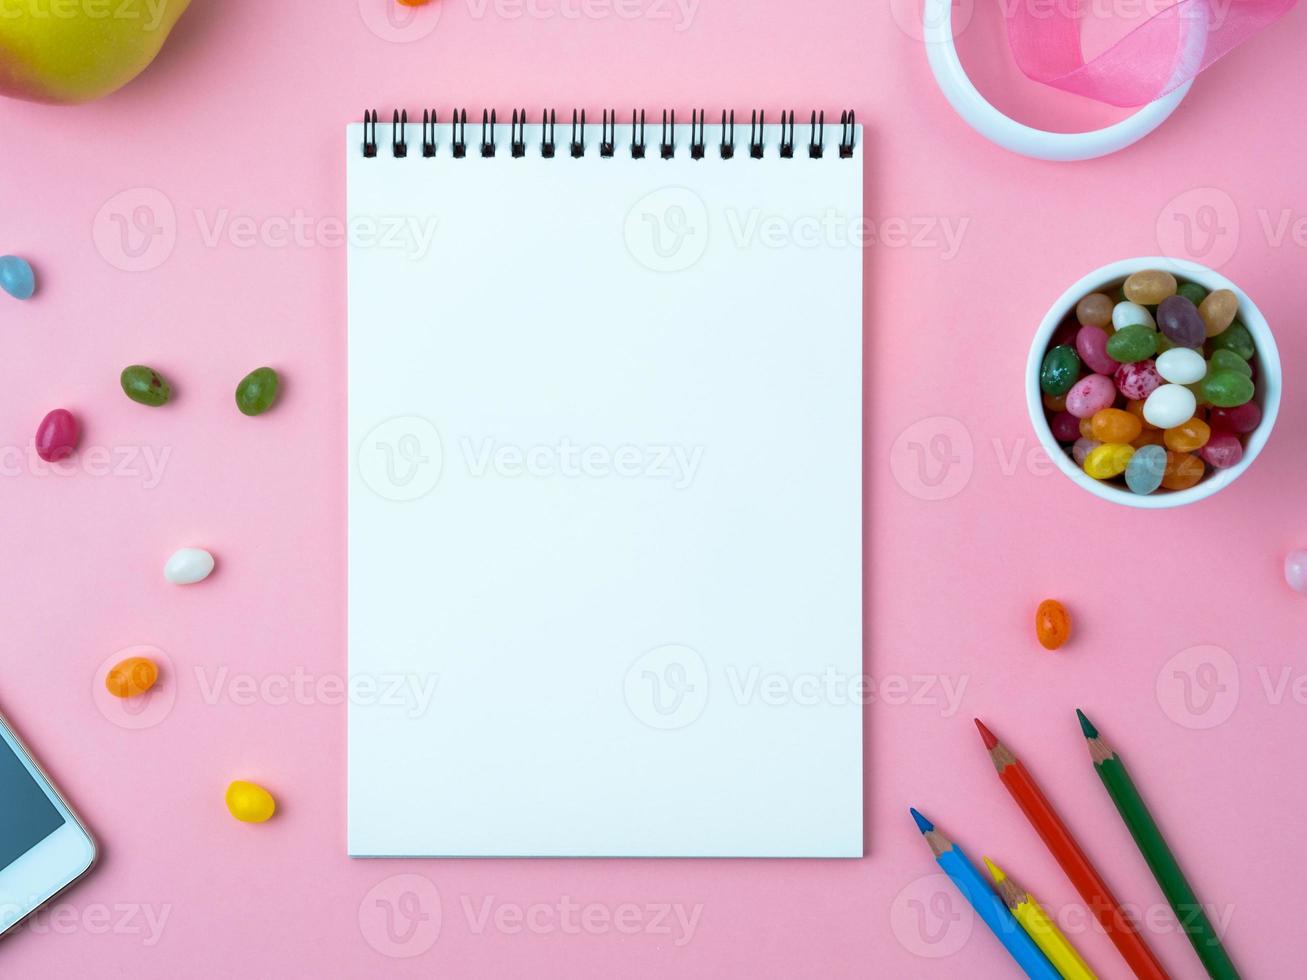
x: 1243, y: 418
x: 56, y: 436
x: 1065, y: 426
x: 1222, y: 451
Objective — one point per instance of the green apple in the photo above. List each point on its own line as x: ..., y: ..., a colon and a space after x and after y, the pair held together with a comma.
x: 78, y: 50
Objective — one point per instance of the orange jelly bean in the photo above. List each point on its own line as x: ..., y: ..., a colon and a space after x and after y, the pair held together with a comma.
x: 1135, y: 406
x: 1114, y: 425
x: 1149, y: 437
x: 1055, y: 403
x: 1087, y: 428
x: 1188, y: 437
x: 1052, y: 624
x: 131, y: 677
x: 1182, y: 471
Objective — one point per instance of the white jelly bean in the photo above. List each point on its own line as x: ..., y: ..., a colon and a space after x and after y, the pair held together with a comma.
x: 1181, y: 365
x: 1295, y: 570
x: 1126, y: 314
x: 1170, y: 405
x: 188, y: 565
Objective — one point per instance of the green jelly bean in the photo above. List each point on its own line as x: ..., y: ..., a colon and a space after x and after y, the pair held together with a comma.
x: 1235, y: 338
x: 1133, y: 343
x: 257, y: 391
x: 1060, y: 371
x: 1228, y: 360
x: 1227, y: 389
x: 1193, y: 292
x: 1164, y: 343
x: 145, y: 385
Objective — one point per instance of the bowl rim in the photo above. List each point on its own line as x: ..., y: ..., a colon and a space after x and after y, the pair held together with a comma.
x: 1269, y: 379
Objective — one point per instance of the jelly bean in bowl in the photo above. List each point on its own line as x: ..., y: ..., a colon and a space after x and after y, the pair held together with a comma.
x: 1166, y: 391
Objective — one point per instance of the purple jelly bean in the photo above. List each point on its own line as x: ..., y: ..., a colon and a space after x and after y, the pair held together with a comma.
x: 1178, y: 318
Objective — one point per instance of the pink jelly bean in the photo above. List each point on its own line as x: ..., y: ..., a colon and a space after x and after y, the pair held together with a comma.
x: 1222, y: 451
x: 1083, y: 448
x: 1091, y: 345
x: 56, y: 436
x: 1245, y: 418
x: 1092, y: 393
x: 1065, y: 426
x: 1137, y: 380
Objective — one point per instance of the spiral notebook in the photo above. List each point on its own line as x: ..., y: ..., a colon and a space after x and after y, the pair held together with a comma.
x: 605, y: 495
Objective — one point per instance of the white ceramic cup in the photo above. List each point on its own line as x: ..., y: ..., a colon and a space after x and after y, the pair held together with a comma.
x: 1268, y: 380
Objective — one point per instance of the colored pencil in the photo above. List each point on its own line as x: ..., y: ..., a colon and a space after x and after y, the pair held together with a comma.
x: 1042, y: 929
x: 987, y: 904
x: 1057, y: 838
x: 1188, y: 910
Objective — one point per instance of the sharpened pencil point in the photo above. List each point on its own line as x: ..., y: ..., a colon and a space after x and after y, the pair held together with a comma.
x: 924, y: 825
x: 1086, y: 725
x: 995, y: 872
x: 986, y: 734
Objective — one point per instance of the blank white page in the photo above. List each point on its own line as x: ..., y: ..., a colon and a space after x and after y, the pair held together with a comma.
x: 605, y: 499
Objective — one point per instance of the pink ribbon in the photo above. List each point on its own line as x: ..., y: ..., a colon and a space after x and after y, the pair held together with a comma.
x: 1162, y: 53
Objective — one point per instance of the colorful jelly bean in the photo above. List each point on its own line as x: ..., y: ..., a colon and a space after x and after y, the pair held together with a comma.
x: 1060, y: 370
x: 1149, y: 287
x: 1114, y: 425
x: 1217, y: 311
x: 1227, y: 389
x: 1170, y: 405
x: 1183, y: 470
x: 56, y: 436
x: 1052, y: 624
x: 1054, y: 403
x: 1082, y: 448
x: 1128, y: 314
x: 131, y: 677
x: 145, y: 385
x: 16, y: 277
x: 1133, y: 343
x: 1090, y: 394
x: 1241, y: 419
x: 1228, y: 360
x: 1091, y: 345
x: 1095, y: 310
x: 1137, y: 380
x: 1149, y: 437
x: 1235, y: 338
x: 1295, y: 570
x: 1143, y: 474
x: 1065, y: 427
x: 1188, y: 437
x: 1108, y: 460
x: 250, y: 802
x: 257, y: 391
x: 1178, y: 319
x: 1135, y: 406
x: 1182, y: 366
x: 1222, y: 451
x: 1193, y: 292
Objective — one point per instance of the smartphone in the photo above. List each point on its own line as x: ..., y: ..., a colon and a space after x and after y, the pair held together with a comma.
x: 44, y: 847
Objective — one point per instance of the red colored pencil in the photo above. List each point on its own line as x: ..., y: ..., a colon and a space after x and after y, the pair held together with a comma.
x: 1057, y: 838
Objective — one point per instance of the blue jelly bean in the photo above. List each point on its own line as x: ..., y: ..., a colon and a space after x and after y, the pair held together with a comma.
x: 1143, y: 474
x: 16, y: 277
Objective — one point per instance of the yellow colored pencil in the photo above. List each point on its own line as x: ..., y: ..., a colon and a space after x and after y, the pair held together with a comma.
x: 1042, y: 929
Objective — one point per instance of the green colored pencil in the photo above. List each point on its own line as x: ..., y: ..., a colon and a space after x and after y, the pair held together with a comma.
x: 1188, y: 910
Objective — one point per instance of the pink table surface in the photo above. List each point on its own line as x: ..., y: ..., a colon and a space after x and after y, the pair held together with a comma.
x: 1188, y: 648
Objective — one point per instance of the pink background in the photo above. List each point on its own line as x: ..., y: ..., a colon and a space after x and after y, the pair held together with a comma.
x: 242, y: 116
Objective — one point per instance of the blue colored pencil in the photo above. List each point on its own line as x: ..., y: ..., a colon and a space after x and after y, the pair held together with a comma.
x: 976, y: 890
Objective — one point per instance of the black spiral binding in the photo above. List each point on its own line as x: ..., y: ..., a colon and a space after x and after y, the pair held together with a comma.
x: 608, y: 134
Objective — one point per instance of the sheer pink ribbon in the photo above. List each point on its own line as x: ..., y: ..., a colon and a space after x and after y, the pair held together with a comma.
x: 1164, y: 52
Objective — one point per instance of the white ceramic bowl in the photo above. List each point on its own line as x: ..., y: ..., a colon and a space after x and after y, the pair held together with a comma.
x: 1268, y: 380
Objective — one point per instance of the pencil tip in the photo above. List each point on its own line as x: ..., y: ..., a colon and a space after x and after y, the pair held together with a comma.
x: 924, y: 825
x: 986, y: 734
x: 1086, y: 725
x: 995, y: 871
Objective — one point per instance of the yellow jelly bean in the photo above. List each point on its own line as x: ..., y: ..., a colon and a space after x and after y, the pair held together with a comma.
x: 1188, y: 437
x: 131, y: 677
x: 1149, y: 287
x: 250, y: 802
x: 1108, y: 460
x: 1114, y: 425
